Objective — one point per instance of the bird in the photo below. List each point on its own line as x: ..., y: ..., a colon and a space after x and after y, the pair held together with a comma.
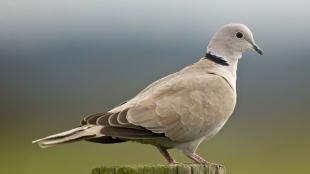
x: 178, y: 111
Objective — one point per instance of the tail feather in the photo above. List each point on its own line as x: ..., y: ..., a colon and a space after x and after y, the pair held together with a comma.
x: 72, y: 135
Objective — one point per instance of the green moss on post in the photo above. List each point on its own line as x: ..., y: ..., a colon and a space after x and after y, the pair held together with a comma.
x: 162, y: 169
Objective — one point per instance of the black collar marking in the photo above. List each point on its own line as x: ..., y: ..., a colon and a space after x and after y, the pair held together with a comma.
x: 216, y: 59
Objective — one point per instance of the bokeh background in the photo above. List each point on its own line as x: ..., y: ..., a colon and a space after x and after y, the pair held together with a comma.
x: 60, y: 60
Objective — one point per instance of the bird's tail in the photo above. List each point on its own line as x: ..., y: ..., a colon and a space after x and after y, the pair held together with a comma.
x: 76, y: 134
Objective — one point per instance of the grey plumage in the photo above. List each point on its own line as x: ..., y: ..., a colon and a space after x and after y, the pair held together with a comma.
x: 178, y: 111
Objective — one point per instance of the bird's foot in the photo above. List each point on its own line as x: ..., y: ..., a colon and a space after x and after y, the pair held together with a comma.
x: 197, y: 159
x: 173, y: 162
x: 167, y: 156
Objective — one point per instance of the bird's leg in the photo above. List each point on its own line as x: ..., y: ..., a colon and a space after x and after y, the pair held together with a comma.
x: 166, y: 154
x: 198, y: 159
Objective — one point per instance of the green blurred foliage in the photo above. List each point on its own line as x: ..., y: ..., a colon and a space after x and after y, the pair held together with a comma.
x: 253, y: 149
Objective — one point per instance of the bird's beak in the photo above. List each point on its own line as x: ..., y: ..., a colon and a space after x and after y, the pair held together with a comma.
x: 257, y: 49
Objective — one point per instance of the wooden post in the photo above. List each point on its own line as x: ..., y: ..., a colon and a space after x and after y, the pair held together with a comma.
x: 162, y: 169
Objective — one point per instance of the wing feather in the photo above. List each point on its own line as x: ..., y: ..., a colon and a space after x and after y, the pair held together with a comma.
x: 122, y: 117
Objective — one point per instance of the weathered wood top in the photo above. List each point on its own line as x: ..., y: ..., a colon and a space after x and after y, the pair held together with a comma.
x: 162, y: 169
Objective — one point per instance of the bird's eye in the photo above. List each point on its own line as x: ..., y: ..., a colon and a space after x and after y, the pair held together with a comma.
x: 239, y: 35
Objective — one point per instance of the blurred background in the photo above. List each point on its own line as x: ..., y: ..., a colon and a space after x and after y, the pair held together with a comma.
x: 61, y: 60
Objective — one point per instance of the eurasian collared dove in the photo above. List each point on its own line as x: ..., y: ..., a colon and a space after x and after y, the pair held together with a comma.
x: 178, y: 111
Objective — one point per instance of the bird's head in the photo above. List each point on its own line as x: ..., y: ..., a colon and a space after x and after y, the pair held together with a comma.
x: 231, y: 40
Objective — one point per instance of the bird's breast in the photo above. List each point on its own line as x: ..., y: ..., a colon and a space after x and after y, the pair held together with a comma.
x: 218, y: 104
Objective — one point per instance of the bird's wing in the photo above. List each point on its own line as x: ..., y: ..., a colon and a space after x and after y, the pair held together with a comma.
x: 179, y: 108
x: 117, y: 126
x: 184, y: 107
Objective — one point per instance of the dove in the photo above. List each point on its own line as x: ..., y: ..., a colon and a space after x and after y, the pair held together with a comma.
x: 177, y: 111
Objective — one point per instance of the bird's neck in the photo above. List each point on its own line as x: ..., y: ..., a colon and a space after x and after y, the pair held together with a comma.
x: 222, y: 61
x: 221, y: 50
x: 232, y: 68
x: 226, y: 68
